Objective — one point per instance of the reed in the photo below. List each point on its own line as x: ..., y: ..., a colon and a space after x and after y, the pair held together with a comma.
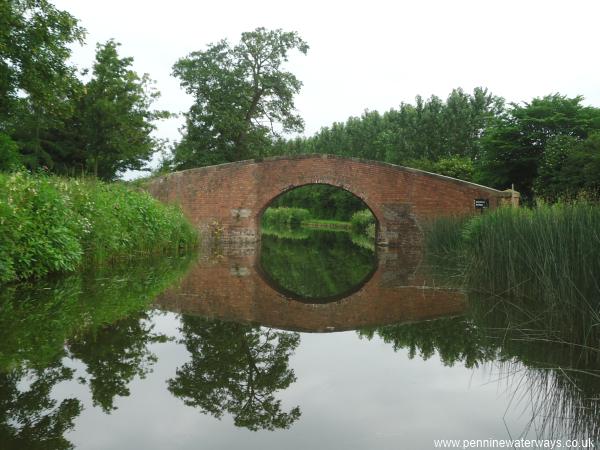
x: 546, y: 259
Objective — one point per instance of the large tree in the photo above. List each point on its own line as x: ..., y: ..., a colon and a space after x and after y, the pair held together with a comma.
x: 35, y: 78
x: 243, y: 97
x: 115, y: 119
x: 514, y: 146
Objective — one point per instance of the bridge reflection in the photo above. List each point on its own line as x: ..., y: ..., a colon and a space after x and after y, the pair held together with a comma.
x: 230, y: 285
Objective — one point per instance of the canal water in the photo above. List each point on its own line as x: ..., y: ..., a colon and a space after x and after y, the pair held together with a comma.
x: 312, y: 339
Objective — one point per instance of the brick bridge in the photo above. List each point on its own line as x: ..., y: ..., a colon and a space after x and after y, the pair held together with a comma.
x: 231, y: 287
x: 227, y: 201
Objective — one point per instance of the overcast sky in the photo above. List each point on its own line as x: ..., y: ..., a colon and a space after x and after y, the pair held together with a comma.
x: 366, y: 55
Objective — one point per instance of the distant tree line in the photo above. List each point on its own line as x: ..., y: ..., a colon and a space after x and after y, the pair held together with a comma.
x: 548, y: 148
x: 101, y: 122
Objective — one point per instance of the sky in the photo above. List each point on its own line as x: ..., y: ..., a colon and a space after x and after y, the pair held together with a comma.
x: 369, y: 55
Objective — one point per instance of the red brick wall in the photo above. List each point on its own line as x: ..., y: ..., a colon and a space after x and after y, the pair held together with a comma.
x: 226, y: 201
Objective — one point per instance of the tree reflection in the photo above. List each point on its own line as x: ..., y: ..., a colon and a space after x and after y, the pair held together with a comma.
x: 115, y: 354
x: 29, y: 418
x: 561, y: 378
x: 237, y: 369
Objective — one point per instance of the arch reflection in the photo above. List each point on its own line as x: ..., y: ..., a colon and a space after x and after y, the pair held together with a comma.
x: 232, y: 287
x: 315, y: 266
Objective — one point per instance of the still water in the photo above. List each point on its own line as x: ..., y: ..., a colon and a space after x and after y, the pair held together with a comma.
x: 314, y: 339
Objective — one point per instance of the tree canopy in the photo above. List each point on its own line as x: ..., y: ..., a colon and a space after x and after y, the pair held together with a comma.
x: 515, y: 144
x: 35, y: 77
x: 114, y: 118
x: 243, y: 97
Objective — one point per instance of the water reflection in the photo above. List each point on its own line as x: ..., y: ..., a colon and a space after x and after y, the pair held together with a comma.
x: 559, y: 381
x: 97, y: 318
x: 232, y: 287
x: 236, y: 369
x: 315, y: 266
x: 29, y: 417
x: 114, y: 355
x: 95, y: 338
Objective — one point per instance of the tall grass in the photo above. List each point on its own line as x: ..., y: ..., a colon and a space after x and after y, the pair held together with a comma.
x: 550, y: 252
x: 546, y: 260
x: 50, y: 224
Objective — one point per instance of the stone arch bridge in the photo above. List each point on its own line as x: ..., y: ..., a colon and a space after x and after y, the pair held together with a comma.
x: 226, y: 201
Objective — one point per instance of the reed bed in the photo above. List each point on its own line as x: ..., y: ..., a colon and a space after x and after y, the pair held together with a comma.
x: 550, y: 252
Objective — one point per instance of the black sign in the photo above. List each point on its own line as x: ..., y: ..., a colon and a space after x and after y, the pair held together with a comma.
x: 481, y: 203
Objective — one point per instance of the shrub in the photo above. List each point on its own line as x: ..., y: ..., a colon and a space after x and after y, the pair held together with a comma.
x: 50, y: 224
x: 361, y: 221
x: 288, y: 217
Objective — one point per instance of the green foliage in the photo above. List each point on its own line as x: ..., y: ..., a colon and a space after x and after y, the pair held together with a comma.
x: 236, y: 368
x: 35, y: 79
x: 548, y: 254
x: 114, y: 118
x: 39, y: 229
x: 444, y: 237
x: 460, y: 167
x: 241, y: 95
x: 430, y: 129
x: 515, y: 145
x: 361, y: 221
x: 569, y: 168
x: 57, y: 121
x: 322, y: 200
x: 50, y: 225
x: 9, y: 154
x: 284, y: 217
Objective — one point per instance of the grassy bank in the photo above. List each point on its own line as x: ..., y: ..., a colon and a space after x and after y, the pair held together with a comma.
x: 51, y: 225
x: 361, y: 222
x: 325, y: 223
x: 285, y: 217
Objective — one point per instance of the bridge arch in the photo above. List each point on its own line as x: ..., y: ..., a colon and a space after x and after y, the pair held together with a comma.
x: 226, y: 201
x: 291, y: 188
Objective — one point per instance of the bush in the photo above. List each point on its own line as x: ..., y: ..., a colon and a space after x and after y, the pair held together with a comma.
x: 288, y: 217
x: 9, y: 154
x: 363, y: 222
x: 50, y: 224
